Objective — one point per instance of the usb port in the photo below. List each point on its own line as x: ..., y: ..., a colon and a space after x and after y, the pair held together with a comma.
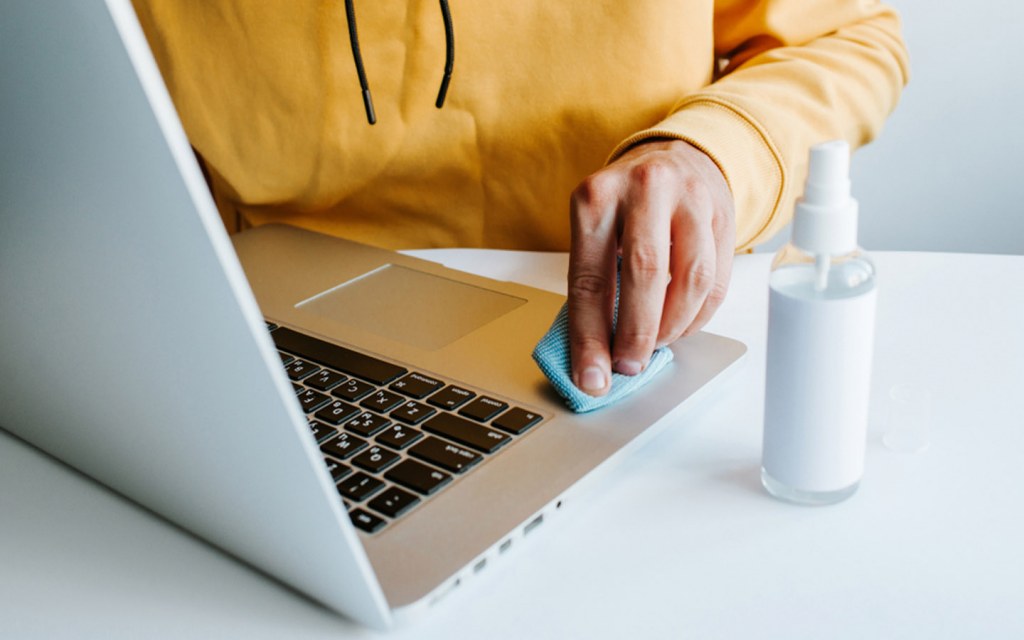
x: 533, y: 524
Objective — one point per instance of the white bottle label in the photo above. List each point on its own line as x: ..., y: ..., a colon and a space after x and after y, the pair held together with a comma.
x: 817, y: 388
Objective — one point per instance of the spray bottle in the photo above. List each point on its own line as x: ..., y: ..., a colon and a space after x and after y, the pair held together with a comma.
x: 821, y: 322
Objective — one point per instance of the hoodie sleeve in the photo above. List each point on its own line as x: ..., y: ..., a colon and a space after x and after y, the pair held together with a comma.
x: 793, y: 73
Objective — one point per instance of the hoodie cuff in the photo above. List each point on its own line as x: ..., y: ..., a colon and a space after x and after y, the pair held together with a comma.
x: 744, y: 153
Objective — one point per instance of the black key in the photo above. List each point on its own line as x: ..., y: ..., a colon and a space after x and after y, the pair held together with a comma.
x: 299, y: 369
x: 285, y: 358
x: 445, y: 455
x: 298, y: 388
x: 393, y: 502
x: 321, y: 431
x: 413, y: 412
x: 337, y: 412
x: 352, y: 390
x: 382, y: 401
x: 344, y: 446
x: 465, y: 432
x: 325, y: 380
x: 336, y: 469
x: 312, y: 400
x: 335, y: 357
x: 376, y: 459
x: 367, y: 521
x: 359, y: 487
x: 270, y: 325
x: 399, y: 436
x: 516, y: 420
x: 418, y: 477
x: 483, y: 408
x: 451, y: 397
x: 366, y: 424
x: 417, y: 385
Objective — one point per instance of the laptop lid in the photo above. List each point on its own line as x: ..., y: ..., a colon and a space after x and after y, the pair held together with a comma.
x: 105, y: 216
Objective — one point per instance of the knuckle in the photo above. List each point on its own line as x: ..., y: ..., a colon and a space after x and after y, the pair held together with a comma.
x: 588, y: 286
x: 634, y: 339
x: 651, y: 174
x: 583, y: 343
x: 595, y: 191
x: 691, y: 184
x: 700, y: 276
x: 644, y: 261
x: 716, y: 295
x: 699, y: 200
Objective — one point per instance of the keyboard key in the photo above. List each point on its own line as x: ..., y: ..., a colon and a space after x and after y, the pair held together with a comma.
x: 393, y: 502
x: 344, y: 446
x: 337, y: 412
x: 352, y: 390
x: 516, y: 420
x: 321, y: 431
x: 367, y: 521
x: 445, y: 455
x: 399, y: 436
x: 270, y: 325
x: 325, y: 380
x: 465, y: 432
x: 359, y: 487
x: 451, y: 397
x: 483, y: 408
x: 298, y: 388
x: 382, y: 401
x: 312, y: 400
x: 285, y: 358
x: 376, y: 459
x: 413, y: 412
x: 299, y: 369
x: 336, y: 469
x: 331, y: 355
x: 417, y: 385
x: 366, y: 424
x: 418, y: 477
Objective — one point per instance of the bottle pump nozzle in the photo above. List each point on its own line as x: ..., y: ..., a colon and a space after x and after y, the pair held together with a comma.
x: 825, y: 221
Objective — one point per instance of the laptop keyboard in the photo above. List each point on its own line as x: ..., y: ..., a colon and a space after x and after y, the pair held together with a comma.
x: 391, y: 437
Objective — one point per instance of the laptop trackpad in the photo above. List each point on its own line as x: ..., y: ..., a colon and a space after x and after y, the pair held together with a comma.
x: 409, y: 306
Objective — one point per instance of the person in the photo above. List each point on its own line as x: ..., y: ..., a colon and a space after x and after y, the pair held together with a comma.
x: 665, y: 134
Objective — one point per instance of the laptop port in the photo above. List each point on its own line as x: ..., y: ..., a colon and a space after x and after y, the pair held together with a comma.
x: 533, y: 524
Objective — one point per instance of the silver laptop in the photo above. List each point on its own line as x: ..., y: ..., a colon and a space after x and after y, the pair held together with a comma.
x: 364, y: 426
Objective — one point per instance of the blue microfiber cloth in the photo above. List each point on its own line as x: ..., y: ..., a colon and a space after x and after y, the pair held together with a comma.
x: 552, y: 355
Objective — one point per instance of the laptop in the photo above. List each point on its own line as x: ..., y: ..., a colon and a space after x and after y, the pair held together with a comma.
x: 364, y: 426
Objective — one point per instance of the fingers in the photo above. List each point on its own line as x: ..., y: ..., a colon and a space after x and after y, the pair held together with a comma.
x: 646, y: 227
x: 592, y: 282
x: 694, y: 262
x: 724, y: 233
x: 668, y: 207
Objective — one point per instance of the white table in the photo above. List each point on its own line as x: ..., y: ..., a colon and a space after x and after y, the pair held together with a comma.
x: 679, y: 542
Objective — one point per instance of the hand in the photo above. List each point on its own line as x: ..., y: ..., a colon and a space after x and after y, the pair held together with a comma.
x: 665, y: 207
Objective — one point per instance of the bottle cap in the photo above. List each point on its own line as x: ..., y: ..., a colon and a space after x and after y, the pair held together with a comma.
x: 825, y: 220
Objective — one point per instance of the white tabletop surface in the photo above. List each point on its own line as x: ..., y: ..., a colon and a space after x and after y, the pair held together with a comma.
x: 678, y: 542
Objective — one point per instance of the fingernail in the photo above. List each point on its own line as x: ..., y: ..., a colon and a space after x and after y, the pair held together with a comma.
x: 593, y: 379
x: 628, y: 367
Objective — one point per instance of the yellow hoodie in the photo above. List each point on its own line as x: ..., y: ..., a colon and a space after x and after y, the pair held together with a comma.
x: 543, y: 93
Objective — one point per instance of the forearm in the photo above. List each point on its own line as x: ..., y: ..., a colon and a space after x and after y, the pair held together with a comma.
x: 781, y: 95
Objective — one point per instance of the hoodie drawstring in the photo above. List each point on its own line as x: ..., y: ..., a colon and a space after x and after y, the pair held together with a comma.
x: 449, y: 53
x: 449, y: 57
